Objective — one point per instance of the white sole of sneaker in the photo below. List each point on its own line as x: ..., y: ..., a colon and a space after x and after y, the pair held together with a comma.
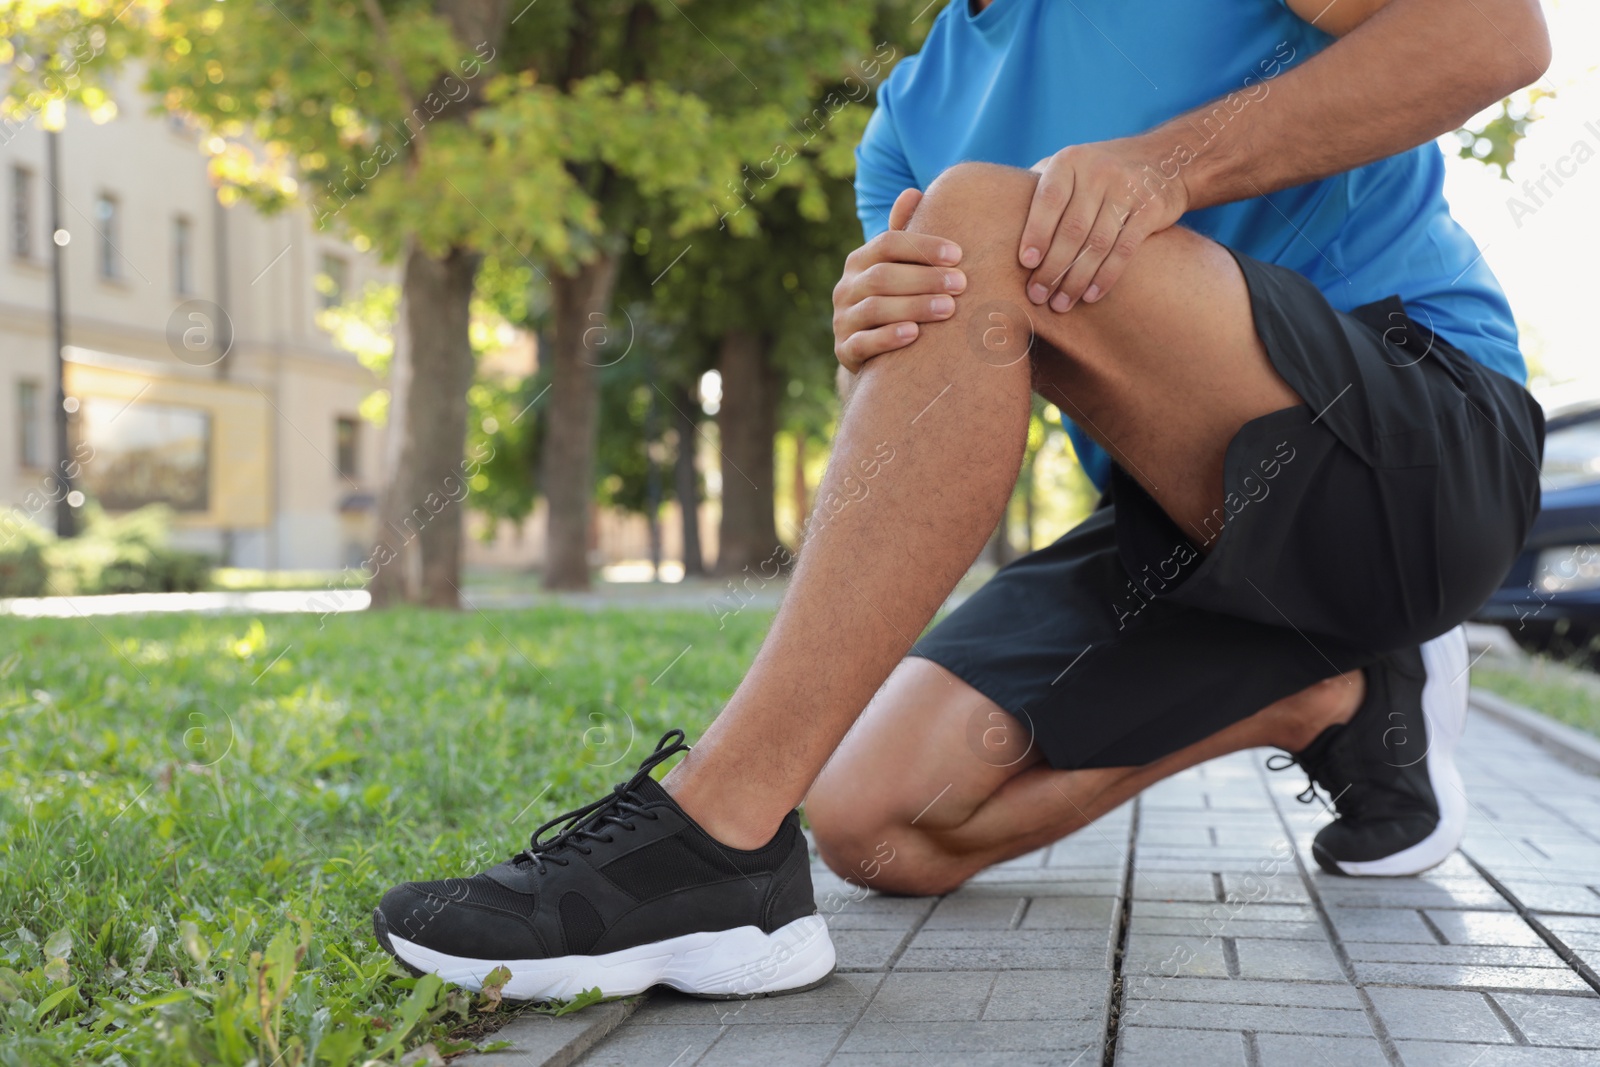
x: 742, y: 962
x: 1444, y: 707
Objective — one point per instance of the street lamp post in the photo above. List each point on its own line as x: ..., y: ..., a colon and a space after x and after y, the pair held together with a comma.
x: 66, y: 516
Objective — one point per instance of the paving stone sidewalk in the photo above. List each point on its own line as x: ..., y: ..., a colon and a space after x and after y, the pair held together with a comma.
x: 1191, y: 927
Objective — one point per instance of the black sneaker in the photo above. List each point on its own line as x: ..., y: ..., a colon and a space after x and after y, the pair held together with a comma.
x: 1390, y: 771
x: 627, y: 893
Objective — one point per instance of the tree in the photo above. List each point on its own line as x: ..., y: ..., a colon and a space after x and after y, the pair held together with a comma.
x: 758, y: 300
x: 678, y: 116
x: 443, y: 131
x: 365, y: 127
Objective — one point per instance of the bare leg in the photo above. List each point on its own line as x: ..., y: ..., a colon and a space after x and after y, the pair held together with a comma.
x: 1163, y: 371
x: 927, y: 778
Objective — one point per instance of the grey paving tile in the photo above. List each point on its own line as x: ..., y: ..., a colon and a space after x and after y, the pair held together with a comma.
x: 1149, y: 1046
x: 1029, y: 884
x: 1161, y: 885
x: 635, y: 1045
x: 1049, y: 995
x: 1556, y: 897
x: 1484, y: 928
x: 866, y: 950
x: 1035, y: 858
x: 1275, y: 1018
x: 1574, y: 929
x: 1296, y: 913
x: 987, y: 950
x: 1437, y: 1054
x: 1200, y: 860
x: 1410, y: 893
x: 1282, y: 887
x: 932, y: 996
x: 1070, y: 913
x: 1247, y: 991
x: 872, y: 912
x: 970, y: 911
x: 1299, y: 961
x: 1570, y: 1021
x: 1460, y: 955
x: 1283, y: 1050
x: 1551, y: 979
x: 1384, y: 924
x: 777, y: 1045
x: 1078, y: 851
x: 1011, y: 1058
x: 1438, y: 1015
x: 1222, y: 926
x: 841, y: 996
x: 935, y: 1039
x: 1172, y: 957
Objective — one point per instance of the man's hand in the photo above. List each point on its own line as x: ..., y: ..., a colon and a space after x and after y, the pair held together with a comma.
x: 1094, y: 205
x: 890, y: 284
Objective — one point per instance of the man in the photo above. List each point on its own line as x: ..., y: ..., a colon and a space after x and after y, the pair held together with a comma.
x: 1233, y: 269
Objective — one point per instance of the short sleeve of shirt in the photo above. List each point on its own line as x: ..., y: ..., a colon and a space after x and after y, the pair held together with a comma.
x: 882, y: 172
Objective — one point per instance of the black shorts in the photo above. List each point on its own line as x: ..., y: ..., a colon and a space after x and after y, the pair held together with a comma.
x: 1376, y: 516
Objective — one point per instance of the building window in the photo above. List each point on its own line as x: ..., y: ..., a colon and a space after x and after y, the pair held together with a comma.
x: 146, y: 454
x: 182, y: 256
x: 22, y: 224
x: 347, y: 436
x: 108, y: 220
x: 30, y: 424
x: 331, y: 282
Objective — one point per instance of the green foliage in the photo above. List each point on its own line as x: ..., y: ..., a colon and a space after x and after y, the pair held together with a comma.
x: 199, y: 814
x: 53, y: 54
x: 125, y: 554
x: 1569, y: 695
x: 395, y: 129
x: 23, y: 570
x: 1494, y: 142
x: 507, y: 419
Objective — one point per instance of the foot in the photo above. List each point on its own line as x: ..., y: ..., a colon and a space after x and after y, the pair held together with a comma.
x: 1390, y: 771
x: 625, y: 893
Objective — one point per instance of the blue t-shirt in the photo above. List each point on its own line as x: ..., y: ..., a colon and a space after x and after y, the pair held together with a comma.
x: 1025, y: 78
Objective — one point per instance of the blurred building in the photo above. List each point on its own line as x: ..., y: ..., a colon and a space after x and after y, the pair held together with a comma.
x: 261, y: 452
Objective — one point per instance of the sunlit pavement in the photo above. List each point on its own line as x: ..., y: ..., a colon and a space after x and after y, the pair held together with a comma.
x: 1235, y: 949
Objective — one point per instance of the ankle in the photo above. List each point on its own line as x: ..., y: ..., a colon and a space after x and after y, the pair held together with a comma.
x: 1306, y: 714
x: 728, y: 820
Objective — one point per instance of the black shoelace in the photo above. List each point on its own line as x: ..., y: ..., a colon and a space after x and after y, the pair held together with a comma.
x: 1288, y: 761
x: 594, y: 822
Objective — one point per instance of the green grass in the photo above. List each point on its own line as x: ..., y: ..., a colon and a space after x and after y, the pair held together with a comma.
x: 246, y: 579
x: 1563, y: 693
x: 198, y: 814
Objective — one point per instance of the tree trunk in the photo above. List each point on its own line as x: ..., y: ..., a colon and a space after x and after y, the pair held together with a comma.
x: 422, y: 512
x: 748, y: 421
x: 686, y: 478
x: 580, y: 345
x: 802, y: 505
x: 390, y: 583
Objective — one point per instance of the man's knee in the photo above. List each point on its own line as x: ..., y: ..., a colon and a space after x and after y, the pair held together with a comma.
x: 979, y: 206
x: 875, y: 852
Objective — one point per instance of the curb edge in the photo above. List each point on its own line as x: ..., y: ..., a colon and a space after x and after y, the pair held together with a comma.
x: 1566, y: 743
x: 533, y: 1045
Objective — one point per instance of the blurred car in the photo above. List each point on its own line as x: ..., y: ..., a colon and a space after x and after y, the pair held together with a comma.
x: 1550, y: 602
